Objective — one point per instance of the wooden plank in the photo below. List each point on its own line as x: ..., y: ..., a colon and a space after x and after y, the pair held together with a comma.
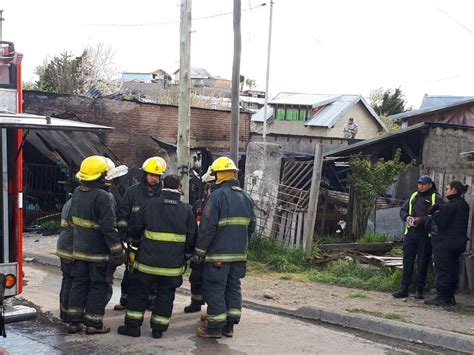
x: 293, y: 230
x: 299, y: 229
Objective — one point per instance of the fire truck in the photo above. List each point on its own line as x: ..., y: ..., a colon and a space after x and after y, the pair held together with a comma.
x: 14, y: 128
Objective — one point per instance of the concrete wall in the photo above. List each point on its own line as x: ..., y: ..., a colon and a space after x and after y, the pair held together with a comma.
x: 368, y: 126
x: 441, y: 151
x: 262, y: 178
x: 302, y: 144
x: 134, y: 123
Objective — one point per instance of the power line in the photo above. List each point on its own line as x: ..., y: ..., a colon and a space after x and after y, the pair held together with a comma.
x: 456, y: 21
x: 171, y: 22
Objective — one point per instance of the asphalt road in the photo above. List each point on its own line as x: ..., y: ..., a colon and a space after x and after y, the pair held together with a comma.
x: 258, y: 333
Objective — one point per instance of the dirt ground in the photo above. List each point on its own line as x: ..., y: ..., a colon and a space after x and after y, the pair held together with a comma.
x: 295, y: 294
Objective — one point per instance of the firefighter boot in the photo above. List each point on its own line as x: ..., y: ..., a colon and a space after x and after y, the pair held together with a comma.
x: 403, y: 293
x: 228, y: 330
x: 419, y: 293
x: 91, y: 330
x: 156, y: 333
x: 194, y: 306
x: 74, y: 328
x: 202, y: 332
x: 130, y: 331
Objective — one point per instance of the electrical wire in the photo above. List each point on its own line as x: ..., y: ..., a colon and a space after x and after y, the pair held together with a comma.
x: 171, y: 22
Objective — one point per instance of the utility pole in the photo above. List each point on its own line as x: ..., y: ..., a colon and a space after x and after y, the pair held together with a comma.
x: 1, y: 25
x: 184, y: 106
x: 234, y: 134
x: 267, y: 78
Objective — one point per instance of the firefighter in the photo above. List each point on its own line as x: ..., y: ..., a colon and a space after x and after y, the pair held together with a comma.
x: 228, y: 220
x: 97, y: 249
x: 195, y: 278
x: 111, y: 180
x: 64, y: 251
x: 169, y: 233
x: 130, y: 205
x: 417, y: 243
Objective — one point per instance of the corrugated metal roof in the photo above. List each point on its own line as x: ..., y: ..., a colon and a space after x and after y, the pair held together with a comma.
x: 258, y: 117
x: 429, y: 109
x: 294, y: 98
x: 25, y: 120
x: 441, y: 100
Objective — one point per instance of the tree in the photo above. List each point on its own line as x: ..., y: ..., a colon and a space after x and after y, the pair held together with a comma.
x: 370, y: 180
x: 251, y: 83
x: 388, y: 102
x: 68, y: 74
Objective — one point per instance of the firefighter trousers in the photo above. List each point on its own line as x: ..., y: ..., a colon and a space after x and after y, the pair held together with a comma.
x: 91, y: 290
x: 140, y: 288
x: 195, y: 279
x: 66, y: 282
x: 222, y: 293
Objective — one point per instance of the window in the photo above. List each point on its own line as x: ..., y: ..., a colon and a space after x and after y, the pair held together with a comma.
x: 280, y: 114
x: 292, y: 114
x: 303, y: 115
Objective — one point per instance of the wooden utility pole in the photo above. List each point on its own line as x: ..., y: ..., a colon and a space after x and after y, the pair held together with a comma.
x: 184, y: 105
x: 313, y: 197
x: 234, y: 134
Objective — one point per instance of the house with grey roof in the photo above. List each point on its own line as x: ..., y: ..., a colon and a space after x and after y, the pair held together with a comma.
x: 298, y: 121
x: 458, y: 110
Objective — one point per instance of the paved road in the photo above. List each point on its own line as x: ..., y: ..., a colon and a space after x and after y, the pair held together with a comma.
x: 258, y: 332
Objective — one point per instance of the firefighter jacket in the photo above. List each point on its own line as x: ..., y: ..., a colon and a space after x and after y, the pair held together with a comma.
x: 169, y: 233
x: 228, y: 221
x: 419, y: 205
x: 130, y: 205
x: 96, y: 237
x: 64, y: 244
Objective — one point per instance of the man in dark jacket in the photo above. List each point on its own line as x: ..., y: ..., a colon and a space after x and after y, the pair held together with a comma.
x: 97, y: 249
x: 228, y: 220
x: 417, y: 244
x: 169, y: 232
x: 131, y: 203
x: 449, y: 238
x: 64, y: 251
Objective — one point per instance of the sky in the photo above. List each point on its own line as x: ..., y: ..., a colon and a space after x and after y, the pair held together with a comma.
x: 321, y: 47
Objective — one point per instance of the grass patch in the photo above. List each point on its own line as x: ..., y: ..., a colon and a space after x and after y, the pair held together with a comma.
x: 50, y: 224
x: 267, y: 256
x: 372, y: 237
x: 328, y: 239
x: 398, y: 251
x: 358, y: 295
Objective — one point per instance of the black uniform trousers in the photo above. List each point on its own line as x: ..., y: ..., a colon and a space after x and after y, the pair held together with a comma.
x: 140, y: 288
x: 126, y: 283
x: 195, y: 279
x: 416, y: 246
x: 91, y: 290
x: 222, y: 293
x: 446, y: 252
x: 66, y: 282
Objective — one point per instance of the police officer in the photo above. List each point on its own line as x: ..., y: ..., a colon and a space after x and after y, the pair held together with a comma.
x: 195, y: 278
x: 449, y: 242
x: 131, y: 203
x: 96, y: 248
x: 228, y: 220
x: 64, y: 251
x: 169, y: 232
x: 417, y: 244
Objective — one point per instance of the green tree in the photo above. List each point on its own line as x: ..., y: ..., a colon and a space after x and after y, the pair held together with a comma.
x: 68, y: 74
x: 387, y: 102
x: 370, y: 180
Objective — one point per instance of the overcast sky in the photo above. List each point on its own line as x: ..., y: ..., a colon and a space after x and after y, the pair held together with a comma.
x: 326, y: 47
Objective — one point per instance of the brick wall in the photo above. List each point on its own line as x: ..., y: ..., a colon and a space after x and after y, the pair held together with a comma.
x: 134, y: 123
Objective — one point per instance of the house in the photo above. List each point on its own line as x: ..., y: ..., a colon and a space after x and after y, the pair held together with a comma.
x: 298, y: 121
x: 252, y: 100
x: 201, y: 78
x: 443, y: 109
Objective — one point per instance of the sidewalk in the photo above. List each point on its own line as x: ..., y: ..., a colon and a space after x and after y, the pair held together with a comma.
x: 375, y: 312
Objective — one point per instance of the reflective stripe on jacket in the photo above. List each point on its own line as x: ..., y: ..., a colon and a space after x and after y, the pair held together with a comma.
x: 228, y: 221
x: 169, y: 232
x: 96, y: 237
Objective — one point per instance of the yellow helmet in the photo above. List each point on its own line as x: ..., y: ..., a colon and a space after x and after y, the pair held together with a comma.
x: 223, y: 164
x: 163, y: 163
x: 153, y: 166
x: 92, y: 168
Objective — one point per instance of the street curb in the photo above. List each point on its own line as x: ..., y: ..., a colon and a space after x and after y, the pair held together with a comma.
x: 385, y: 327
